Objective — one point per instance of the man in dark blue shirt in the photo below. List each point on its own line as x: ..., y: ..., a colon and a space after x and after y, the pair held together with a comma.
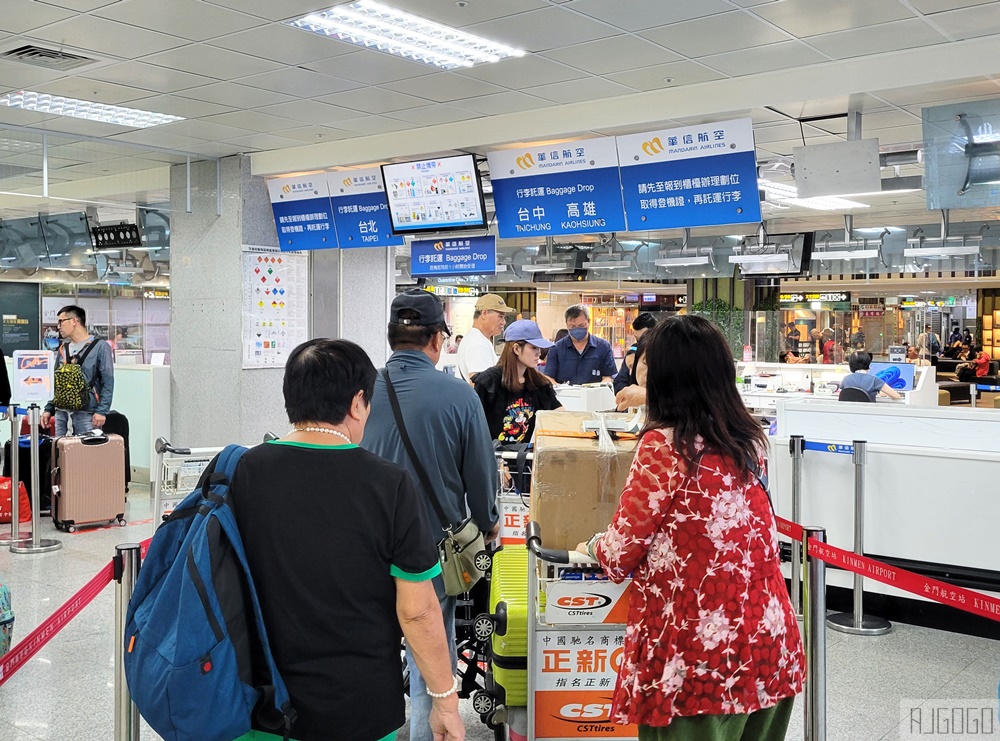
x: 580, y: 357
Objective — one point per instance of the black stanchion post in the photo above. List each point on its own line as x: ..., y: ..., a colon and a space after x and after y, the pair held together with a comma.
x: 15, y: 534
x: 814, y: 627
x: 796, y: 446
x: 36, y: 544
x: 127, y: 560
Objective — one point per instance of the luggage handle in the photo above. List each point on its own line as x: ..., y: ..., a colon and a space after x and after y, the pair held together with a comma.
x: 94, y: 439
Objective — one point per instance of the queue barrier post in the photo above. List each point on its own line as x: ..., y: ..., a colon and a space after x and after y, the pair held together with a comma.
x: 127, y: 560
x: 973, y: 393
x: 35, y: 544
x: 15, y: 535
x: 857, y: 623
x: 814, y: 627
x: 796, y: 446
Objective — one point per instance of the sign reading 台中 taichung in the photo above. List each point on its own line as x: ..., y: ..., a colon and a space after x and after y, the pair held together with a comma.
x: 453, y: 256
x: 360, y: 210
x: 302, y: 212
x: 695, y: 176
x: 569, y: 188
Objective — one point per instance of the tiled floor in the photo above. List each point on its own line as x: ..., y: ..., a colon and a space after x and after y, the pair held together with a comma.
x: 66, y: 692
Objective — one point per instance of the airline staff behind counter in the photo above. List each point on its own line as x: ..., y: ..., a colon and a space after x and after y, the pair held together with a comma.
x: 580, y: 358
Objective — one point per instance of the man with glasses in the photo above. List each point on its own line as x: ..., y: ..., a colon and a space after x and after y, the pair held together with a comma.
x: 94, y: 356
x: 476, y: 353
x: 580, y: 357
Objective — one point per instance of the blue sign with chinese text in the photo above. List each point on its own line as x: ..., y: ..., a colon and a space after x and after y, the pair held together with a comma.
x: 819, y: 447
x: 360, y: 209
x: 302, y: 212
x: 458, y: 256
x: 569, y: 188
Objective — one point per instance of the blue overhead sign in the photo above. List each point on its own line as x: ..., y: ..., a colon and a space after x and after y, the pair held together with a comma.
x: 302, y: 212
x: 695, y: 176
x: 360, y: 209
x: 569, y: 188
x: 453, y: 256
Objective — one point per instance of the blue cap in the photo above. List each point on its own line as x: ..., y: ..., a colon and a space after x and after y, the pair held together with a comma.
x: 528, y: 331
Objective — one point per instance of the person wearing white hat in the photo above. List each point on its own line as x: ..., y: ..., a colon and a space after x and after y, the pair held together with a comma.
x: 476, y: 352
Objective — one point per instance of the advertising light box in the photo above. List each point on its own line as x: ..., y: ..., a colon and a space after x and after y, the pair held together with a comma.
x: 302, y: 212
x: 434, y: 195
x: 360, y: 210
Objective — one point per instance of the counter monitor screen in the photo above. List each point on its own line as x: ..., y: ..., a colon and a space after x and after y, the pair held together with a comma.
x: 898, y: 376
x: 440, y: 194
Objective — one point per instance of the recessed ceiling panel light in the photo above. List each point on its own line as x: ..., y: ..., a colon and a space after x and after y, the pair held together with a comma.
x: 88, y: 109
x: 376, y: 26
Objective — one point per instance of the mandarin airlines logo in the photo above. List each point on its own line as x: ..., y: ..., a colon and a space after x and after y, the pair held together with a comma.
x: 652, y: 147
x: 286, y: 188
x: 347, y: 182
x: 525, y: 161
x: 832, y: 448
x: 438, y: 246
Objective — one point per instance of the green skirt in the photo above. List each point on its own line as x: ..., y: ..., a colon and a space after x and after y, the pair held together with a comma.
x: 769, y: 724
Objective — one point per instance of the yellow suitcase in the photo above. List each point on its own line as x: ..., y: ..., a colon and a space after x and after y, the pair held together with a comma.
x: 509, y: 602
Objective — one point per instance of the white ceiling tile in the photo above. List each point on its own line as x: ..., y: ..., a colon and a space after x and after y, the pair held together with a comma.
x: 443, y: 87
x: 969, y: 23
x: 715, y: 34
x: 199, y: 129
x: 211, y: 61
x: 158, y: 138
x: 500, y: 103
x: 309, y: 112
x: 264, y: 141
x: 374, y: 100
x: 371, y: 67
x: 79, y: 6
x: 218, y: 149
x: 236, y: 95
x: 512, y: 73
x: 255, y: 121
x: 301, y: 83
x: 918, y: 95
x: 368, y: 125
x: 575, y: 91
x: 178, y: 106
x: 615, y: 54
x: 283, y: 44
x: 433, y: 115
x: 15, y: 76
x: 84, y: 89
x: 315, y: 134
x: 21, y: 16
x: 275, y: 11
x: 812, y: 17
x: 654, y: 78
x: 188, y: 19
x: 884, y: 37
x: 107, y: 37
x: 831, y: 106
x: 938, y: 6
x: 900, y: 134
x: 784, y: 55
x: 79, y: 126
x: 451, y: 14
x: 148, y: 76
x: 538, y: 30
x: 635, y: 15
x: 775, y: 133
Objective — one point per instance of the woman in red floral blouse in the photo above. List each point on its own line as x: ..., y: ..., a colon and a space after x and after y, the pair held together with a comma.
x: 712, y: 647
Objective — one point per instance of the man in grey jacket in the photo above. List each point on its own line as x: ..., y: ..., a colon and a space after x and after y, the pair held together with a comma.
x: 98, y: 371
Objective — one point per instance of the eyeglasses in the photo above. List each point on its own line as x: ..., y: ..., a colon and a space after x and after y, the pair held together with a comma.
x: 60, y: 321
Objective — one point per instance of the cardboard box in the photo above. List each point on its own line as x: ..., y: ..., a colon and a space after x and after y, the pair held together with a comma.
x: 574, y: 488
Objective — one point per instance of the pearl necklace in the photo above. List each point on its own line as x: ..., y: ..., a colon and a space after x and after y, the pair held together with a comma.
x: 325, y: 430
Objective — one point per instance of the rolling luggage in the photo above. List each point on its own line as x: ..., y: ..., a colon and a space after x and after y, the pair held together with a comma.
x: 116, y: 423
x: 6, y: 620
x: 88, y: 481
x: 509, y: 587
x: 24, y: 471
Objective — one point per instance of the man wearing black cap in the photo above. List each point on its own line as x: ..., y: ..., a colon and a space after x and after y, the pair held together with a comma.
x: 445, y: 422
x: 626, y: 374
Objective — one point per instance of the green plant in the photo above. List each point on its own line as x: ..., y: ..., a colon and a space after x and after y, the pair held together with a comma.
x: 726, y: 318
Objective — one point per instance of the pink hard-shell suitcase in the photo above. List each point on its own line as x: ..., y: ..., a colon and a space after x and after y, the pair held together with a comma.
x: 88, y: 481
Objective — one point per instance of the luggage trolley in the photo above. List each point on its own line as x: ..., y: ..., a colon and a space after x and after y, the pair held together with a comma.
x: 177, y: 473
x: 513, y: 496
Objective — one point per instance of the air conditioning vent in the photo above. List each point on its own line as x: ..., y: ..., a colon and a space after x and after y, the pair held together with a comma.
x: 39, y: 56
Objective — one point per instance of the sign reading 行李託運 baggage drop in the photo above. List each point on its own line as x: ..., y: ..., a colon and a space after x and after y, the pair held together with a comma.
x: 694, y: 176
x: 557, y: 189
x: 360, y: 209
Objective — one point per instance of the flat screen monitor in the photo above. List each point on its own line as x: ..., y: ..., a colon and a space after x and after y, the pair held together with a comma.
x: 434, y: 195
x: 154, y: 228
x: 22, y: 245
x: 797, y: 247
x: 68, y: 240
x: 898, y: 376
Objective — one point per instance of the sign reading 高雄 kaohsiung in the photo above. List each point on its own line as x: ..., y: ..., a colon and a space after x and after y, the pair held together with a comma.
x: 302, y: 212
x: 453, y: 256
x: 695, y: 176
x: 360, y: 210
x: 569, y: 188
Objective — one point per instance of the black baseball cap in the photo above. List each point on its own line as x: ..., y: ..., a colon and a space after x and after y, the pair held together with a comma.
x: 426, y: 305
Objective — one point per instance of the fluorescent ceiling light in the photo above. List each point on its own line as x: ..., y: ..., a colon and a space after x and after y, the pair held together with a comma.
x: 788, y: 195
x: 933, y: 252
x: 545, y: 267
x: 770, y: 257
x: 125, y: 270
x: 845, y: 255
x: 376, y: 26
x: 60, y: 106
x: 668, y: 262
x: 607, y: 264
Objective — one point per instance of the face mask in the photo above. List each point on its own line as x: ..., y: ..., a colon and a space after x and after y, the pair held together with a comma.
x: 578, y: 333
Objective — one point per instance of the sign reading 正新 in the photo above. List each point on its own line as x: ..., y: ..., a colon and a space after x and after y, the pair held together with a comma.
x: 360, y: 210
x: 302, y: 212
x: 568, y: 188
x: 694, y: 176
x: 33, y: 370
x: 453, y: 256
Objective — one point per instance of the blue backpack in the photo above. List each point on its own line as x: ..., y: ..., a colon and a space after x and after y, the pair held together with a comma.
x: 194, y: 625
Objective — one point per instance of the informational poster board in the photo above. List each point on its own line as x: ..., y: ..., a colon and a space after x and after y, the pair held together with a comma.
x: 20, y: 320
x: 275, y: 306
x: 302, y: 212
x: 461, y: 256
x: 32, y: 382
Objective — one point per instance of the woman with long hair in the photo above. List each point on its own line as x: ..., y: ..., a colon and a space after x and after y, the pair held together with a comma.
x: 712, y: 648
x: 514, y: 390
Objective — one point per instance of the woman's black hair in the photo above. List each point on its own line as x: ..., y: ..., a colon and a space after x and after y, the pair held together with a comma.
x: 322, y: 377
x: 859, y: 361
x: 691, y: 388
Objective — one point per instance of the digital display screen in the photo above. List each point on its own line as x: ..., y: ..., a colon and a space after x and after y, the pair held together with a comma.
x: 898, y: 376
x: 798, y: 249
x: 434, y: 195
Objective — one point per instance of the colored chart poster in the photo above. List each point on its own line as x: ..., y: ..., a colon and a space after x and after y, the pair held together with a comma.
x: 570, y: 188
x: 695, y: 176
x: 302, y: 212
x: 463, y: 256
x: 360, y: 210
x: 275, y: 307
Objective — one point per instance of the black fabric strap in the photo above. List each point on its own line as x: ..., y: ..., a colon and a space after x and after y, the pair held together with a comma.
x: 408, y: 444
x: 86, y: 351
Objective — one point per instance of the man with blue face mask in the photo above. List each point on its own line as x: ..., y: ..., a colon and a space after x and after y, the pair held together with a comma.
x: 580, y: 357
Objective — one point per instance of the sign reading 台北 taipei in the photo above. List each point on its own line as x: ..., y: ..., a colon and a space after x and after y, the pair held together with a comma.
x: 453, y: 256
x: 696, y: 176
x: 568, y: 188
x: 360, y: 209
x: 302, y: 212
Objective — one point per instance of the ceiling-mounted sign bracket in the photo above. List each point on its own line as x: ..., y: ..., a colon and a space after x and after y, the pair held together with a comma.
x: 119, y: 236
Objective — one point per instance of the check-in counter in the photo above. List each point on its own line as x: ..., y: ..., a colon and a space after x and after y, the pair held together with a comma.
x: 598, y: 397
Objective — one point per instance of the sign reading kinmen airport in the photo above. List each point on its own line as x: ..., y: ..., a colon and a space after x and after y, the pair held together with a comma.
x: 695, y: 176
x: 568, y: 188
